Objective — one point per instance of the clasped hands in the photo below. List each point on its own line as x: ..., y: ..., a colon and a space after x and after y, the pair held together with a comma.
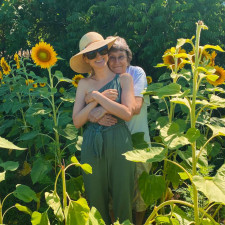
x: 99, y: 114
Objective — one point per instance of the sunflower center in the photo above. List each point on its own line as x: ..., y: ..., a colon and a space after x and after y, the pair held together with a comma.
x: 44, y: 55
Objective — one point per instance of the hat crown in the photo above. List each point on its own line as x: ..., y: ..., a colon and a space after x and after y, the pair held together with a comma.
x: 89, y: 38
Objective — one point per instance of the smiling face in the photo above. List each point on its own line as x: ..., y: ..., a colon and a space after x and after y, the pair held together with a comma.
x: 118, y: 61
x: 98, y: 62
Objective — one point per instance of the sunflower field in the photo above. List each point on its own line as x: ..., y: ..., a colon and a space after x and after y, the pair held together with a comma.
x: 40, y: 177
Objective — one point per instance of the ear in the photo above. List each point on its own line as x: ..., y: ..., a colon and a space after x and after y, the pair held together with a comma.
x: 86, y: 59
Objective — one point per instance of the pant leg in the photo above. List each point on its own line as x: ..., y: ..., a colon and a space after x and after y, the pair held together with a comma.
x: 121, y: 172
x: 96, y: 184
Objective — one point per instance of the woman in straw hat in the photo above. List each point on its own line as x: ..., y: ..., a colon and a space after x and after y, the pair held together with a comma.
x: 120, y: 57
x: 103, y: 146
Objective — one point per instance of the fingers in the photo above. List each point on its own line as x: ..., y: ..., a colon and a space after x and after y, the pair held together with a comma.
x: 111, y: 94
x: 107, y: 120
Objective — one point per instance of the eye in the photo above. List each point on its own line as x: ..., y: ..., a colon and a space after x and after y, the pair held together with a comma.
x: 112, y: 58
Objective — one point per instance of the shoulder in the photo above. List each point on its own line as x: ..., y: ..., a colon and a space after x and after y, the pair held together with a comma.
x: 125, y: 78
x: 84, y: 84
x: 135, y: 71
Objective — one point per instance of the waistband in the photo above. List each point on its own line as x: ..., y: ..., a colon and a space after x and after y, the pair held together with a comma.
x: 97, y: 131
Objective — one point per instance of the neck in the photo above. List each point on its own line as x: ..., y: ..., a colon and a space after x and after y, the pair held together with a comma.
x: 103, y: 73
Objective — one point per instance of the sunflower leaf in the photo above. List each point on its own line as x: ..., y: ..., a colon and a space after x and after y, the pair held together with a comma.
x: 217, y: 47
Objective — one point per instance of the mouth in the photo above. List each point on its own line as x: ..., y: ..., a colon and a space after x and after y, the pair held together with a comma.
x: 100, y: 61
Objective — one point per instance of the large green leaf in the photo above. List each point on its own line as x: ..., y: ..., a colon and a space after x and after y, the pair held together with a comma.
x: 9, y: 145
x: 213, y: 188
x: 192, y: 134
x: 53, y: 201
x: 86, y: 167
x: 77, y: 212
x: 95, y: 217
x: 25, y: 193
x: 70, y: 132
x: 168, y: 90
x: 10, y: 165
x: 138, y: 141
x: 181, y: 216
x: 152, y: 187
x: 155, y: 154
x: 217, y: 130
x: 172, y: 174
x: 40, y: 168
x: 39, y: 218
x: 75, y: 186
x: 28, y: 136
x: 24, y: 209
x: 217, y: 101
x: 182, y: 101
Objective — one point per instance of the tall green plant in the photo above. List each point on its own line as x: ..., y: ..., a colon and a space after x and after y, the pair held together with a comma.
x: 176, y: 142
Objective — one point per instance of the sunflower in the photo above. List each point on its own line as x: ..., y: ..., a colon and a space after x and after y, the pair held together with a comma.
x: 5, y: 66
x: 205, y: 55
x: 30, y: 81
x: 76, y: 79
x: 212, y: 58
x: 169, y: 59
x: 219, y: 72
x: 16, y: 58
x: 1, y: 75
x: 149, y: 79
x: 42, y: 84
x: 44, y: 55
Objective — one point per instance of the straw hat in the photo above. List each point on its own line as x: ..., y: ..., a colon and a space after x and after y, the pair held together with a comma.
x: 89, y: 42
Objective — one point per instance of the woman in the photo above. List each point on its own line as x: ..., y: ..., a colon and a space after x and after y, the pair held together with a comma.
x: 103, y: 146
x: 120, y: 57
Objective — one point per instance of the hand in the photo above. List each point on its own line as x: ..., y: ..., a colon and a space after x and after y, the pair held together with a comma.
x: 96, y: 114
x: 111, y: 94
x: 89, y: 97
x: 107, y: 120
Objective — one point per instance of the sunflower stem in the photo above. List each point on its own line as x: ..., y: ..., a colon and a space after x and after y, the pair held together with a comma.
x: 193, y: 119
x: 54, y: 117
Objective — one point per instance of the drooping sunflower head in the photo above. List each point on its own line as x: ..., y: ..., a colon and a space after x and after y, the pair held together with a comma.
x: 44, y: 55
x: 76, y: 79
x: 5, y: 66
x: 30, y: 81
x: 149, y: 79
x: 204, y: 55
x: 221, y: 79
x: 16, y: 58
x: 169, y: 58
x: 42, y: 84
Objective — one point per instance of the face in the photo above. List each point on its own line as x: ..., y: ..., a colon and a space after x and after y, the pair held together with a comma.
x: 97, y: 58
x: 118, y: 61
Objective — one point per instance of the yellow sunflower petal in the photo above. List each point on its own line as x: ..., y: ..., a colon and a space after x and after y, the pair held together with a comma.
x: 5, y: 66
x: 44, y: 55
x: 149, y: 79
x: 76, y: 79
x: 221, y: 79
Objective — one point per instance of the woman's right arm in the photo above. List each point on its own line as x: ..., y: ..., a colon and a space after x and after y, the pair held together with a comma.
x: 80, y: 109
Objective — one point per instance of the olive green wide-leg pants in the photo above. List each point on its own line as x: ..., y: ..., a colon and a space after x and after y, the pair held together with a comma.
x: 111, y: 174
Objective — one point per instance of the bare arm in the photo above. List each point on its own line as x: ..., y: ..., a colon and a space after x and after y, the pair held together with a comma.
x: 138, y: 104
x: 125, y: 109
x: 80, y: 109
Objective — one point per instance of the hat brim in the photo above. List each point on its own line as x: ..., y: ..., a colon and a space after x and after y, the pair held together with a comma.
x: 77, y: 62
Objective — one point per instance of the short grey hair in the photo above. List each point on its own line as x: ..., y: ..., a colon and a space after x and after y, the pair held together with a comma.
x: 121, y: 45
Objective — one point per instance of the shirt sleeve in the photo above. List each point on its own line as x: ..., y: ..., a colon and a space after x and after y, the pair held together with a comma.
x: 140, y: 81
